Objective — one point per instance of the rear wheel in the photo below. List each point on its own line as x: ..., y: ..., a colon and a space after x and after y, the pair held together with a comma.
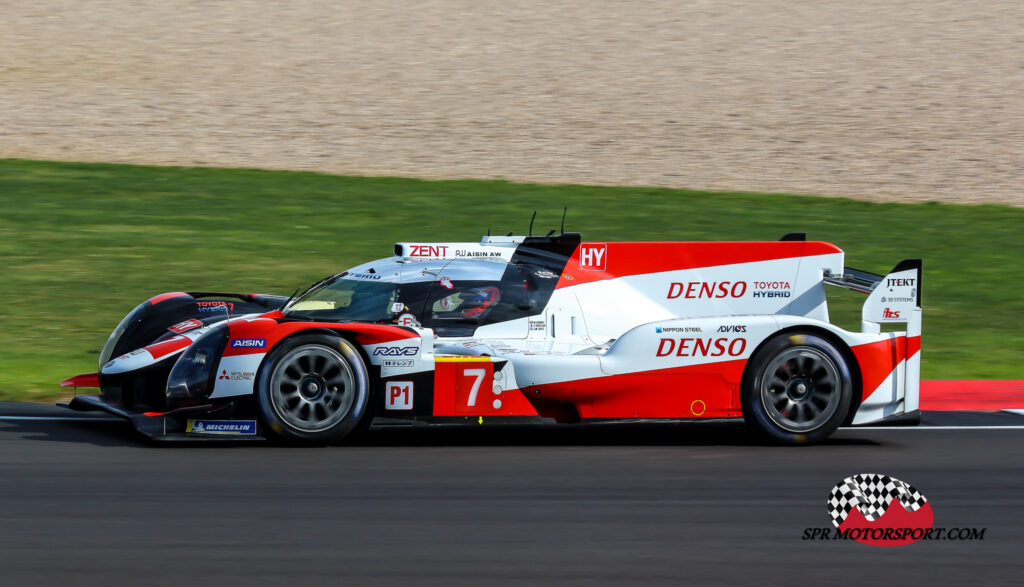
x: 313, y: 389
x: 798, y: 389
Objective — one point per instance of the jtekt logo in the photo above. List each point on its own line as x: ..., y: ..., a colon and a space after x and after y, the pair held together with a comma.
x: 893, y: 282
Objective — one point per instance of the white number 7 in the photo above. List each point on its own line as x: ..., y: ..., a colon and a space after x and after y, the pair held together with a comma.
x: 479, y: 374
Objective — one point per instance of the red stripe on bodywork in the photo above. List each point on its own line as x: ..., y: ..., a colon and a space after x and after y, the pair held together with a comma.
x: 166, y: 296
x: 878, y: 360
x: 453, y: 389
x: 623, y: 259
x: 913, y: 345
x: 166, y: 347
x: 86, y: 380
x: 972, y: 395
x: 273, y: 331
x: 696, y: 391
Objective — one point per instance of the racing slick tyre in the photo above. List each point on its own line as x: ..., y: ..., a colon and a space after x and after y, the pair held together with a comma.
x: 313, y: 389
x: 797, y: 389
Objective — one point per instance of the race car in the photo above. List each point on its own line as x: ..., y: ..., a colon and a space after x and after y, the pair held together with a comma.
x: 526, y: 329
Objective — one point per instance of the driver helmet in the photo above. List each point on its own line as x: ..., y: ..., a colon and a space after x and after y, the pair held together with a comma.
x: 478, y: 300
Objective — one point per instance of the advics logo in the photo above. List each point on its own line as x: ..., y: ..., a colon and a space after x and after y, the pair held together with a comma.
x: 880, y: 510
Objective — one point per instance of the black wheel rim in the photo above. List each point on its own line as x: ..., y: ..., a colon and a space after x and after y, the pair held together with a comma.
x: 312, y: 388
x: 801, y: 389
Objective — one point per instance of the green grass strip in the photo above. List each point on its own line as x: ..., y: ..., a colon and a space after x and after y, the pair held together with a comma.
x: 81, y: 244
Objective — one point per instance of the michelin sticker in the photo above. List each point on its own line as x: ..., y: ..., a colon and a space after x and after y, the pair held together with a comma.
x: 226, y: 427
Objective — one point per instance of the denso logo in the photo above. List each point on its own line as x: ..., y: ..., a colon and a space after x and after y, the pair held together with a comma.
x: 732, y: 328
x: 702, y: 347
x: 249, y: 343
x: 889, y: 313
x: 594, y: 257
x: 428, y: 250
x: 892, y: 282
x: 395, y: 351
x: 703, y: 289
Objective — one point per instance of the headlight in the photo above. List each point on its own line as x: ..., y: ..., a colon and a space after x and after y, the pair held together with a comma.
x: 193, y: 374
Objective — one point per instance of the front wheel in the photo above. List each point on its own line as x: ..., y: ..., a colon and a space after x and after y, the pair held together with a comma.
x: 313, y: 389
x: 798, y: 389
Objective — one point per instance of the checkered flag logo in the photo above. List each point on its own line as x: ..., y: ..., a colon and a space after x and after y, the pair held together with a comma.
x: 871, y: 494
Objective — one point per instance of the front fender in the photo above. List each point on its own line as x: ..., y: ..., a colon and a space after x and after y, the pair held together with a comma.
x: 251, y: 339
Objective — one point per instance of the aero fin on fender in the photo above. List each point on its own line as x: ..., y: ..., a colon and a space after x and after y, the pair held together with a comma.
x: 84, y: 380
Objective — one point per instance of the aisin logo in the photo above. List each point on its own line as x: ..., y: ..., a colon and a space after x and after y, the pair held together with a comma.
x: 880, y: 510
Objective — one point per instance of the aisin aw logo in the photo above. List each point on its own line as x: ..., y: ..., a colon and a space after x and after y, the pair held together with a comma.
x: 880, y: 510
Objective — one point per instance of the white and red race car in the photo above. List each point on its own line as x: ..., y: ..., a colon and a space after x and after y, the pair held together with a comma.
x: 526, y: 329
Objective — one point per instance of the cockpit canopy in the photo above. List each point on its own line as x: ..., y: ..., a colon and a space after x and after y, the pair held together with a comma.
x: 452, y: 296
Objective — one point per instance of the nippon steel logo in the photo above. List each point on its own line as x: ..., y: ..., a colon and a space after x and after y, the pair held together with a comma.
x: 879, y: 510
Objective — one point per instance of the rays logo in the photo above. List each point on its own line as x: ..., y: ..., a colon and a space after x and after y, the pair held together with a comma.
x: 395, y: 351
x: 879, y: 510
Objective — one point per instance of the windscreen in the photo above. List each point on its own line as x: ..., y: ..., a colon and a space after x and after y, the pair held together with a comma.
x: 345, y: 298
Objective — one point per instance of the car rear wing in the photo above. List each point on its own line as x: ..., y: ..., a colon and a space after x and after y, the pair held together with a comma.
x: 894, y: 298
x: 854, y: 279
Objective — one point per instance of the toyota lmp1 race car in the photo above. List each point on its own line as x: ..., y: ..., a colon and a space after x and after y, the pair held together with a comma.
x: 525, y: 329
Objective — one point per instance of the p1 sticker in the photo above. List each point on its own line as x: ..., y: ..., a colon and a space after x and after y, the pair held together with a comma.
x: 398, y: 395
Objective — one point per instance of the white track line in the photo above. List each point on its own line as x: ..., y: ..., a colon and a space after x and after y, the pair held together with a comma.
x: 874, y: 428
x: 1019, y: 412
x: 58, y: 419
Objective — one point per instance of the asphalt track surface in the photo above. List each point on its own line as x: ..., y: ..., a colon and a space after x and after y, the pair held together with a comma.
x: 88, y: 502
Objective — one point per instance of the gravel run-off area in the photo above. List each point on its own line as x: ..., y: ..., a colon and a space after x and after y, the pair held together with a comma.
x: 881, y: 100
